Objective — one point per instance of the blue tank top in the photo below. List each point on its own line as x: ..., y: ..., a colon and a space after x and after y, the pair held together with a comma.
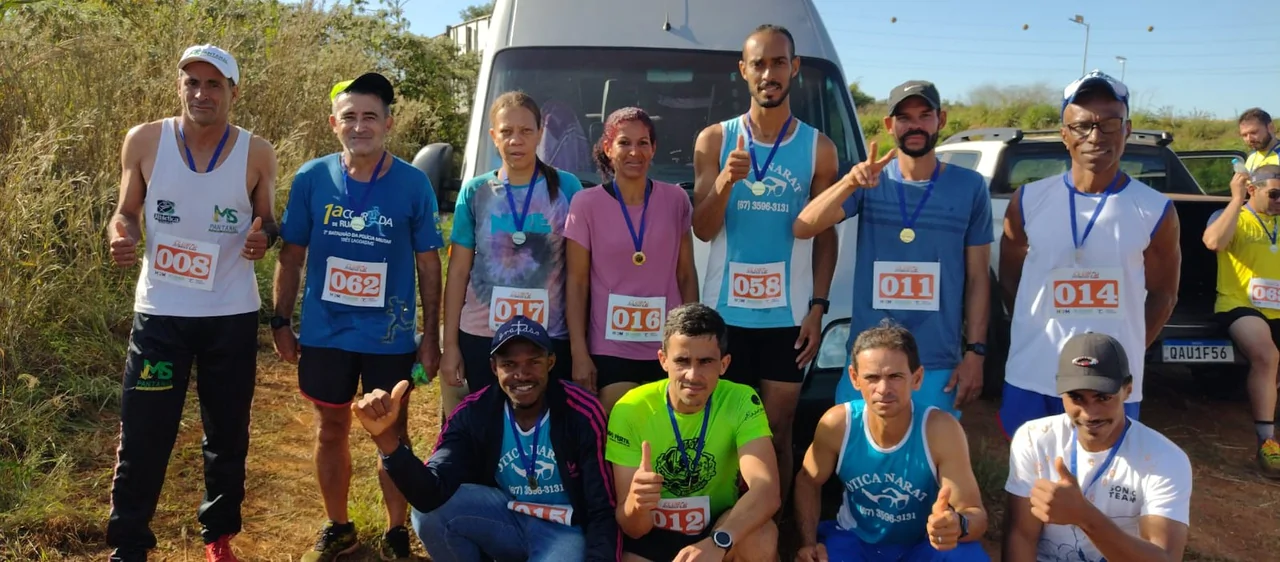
x: 888, y: 493
x: 758, y: 274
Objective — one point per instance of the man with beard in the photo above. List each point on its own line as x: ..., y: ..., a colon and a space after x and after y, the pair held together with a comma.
x: 1090, y: 249
x: 1091, y: 483
x: 924, y: 247
x: 754, y: 173
x: 1259, y: 132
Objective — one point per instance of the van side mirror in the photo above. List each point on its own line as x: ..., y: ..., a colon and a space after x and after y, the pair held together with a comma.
x: 436, y: 161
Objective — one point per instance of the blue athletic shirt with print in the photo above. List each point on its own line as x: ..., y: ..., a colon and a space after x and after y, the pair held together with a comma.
x: 400, y: 219
x: 758, y: 274
x: 549, y: 500
x: 887, y: 493
x: 929, y: 303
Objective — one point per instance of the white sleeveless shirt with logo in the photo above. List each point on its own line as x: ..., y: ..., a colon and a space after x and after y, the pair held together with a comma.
x: 196, y: 225
x: 1100, y: 289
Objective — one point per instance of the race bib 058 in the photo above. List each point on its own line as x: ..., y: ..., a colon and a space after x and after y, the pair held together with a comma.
x: 758, y: 286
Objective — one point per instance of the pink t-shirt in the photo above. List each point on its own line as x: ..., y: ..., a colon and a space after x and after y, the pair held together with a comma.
x: 627, y: 310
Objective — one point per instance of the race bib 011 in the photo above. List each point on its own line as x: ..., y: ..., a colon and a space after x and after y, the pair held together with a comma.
x: 1086, y: 292
x: 1264, y: 293
x: 903, y: 285
x: 758, y: 286
x: 562, y: 514
x: 683, y: 515
x: 186, y: 263
x: 354, y: 283
x: 636, y: 319
x: 509, y: 302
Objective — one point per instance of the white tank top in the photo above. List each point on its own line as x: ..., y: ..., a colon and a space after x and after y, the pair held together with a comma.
x: 196, y: 226
x: 1102, y: 290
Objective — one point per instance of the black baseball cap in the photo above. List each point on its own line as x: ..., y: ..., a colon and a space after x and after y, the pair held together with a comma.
x: 1092, y: 361
x: 371, y: 82
x: 521, y: 327
x: 914, y: 88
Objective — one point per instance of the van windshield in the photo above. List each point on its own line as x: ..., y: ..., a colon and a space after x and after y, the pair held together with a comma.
x: 683, y: 91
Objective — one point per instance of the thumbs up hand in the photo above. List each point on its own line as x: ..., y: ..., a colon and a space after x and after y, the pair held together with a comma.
x: 1059, y: 502
x: 736, y: 166
x: 646, y: 485
x: 378, y: 411
x: 124, y: 248
x: 944, y: 524
x: 255, y: 244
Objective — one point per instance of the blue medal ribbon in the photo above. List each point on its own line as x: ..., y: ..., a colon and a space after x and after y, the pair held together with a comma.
x: 191, y: 161
x: 530, y: 461
x: 1097, y: 211
x: 636, y: 239
x: 690, y: 468
x: 346, y: 182
x: 902, y: 198
x: 1275, y: 225
x: 1111, y: 456
x: 518, y: 219
x: 751, y: 147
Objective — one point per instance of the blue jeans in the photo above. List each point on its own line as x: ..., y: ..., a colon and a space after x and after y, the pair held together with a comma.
x: 845, y: 546
x: 1019, y: 406
x: 930, y: 393
x: 475, y: 524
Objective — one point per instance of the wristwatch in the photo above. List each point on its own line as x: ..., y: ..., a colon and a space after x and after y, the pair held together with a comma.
x: 979, y: 348
x: 826, y: 304
x: 722, y: 538
x: 964, y: 524
x: 278, y: 322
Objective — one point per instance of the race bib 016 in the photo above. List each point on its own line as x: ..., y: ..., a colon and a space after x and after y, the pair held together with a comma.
x: 1264, y: 293
x: 1086, y: 292
x: 905, y: 285
x: 562, y: 514
x: 509, y: 302
x: 636, y: 319
x: 683, y: 515
x: 354, y: 283
x: 757, y: 286
x: 183, y: 262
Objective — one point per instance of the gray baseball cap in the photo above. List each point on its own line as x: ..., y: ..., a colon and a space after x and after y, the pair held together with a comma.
x: 1092, y: 361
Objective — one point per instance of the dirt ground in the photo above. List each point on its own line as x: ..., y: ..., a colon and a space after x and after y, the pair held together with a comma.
x: 1234, y: 512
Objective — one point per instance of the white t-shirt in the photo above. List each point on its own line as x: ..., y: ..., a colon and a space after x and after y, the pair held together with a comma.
x: 1149, y: 476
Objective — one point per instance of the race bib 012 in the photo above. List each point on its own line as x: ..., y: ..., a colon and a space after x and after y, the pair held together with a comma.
x: 903, y: 285
x: 758, y: 286
x: 1264, y: 293
x: 354, y: 283
x: 509, y: 302
x: 636, y: 319
x: 683, y: 515
x: 1086, y: 292
x: 562, y: 514
x: 186, y: 263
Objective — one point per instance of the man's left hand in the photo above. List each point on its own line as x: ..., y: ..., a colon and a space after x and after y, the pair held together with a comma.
x: 1061, y: 502
x: 429, y: 357
x: 966, y: 379
x: 704, y: 550
x: 810, y: 337
x: 255, y: 244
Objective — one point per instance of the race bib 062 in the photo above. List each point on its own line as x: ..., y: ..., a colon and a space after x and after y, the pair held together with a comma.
x: 683, y: 515
x: 183, y: 262
x: 758, y: 286
x: 354, y: 283
x: 904, y: 285
x: 1264, y: 293
x: 509, y: 302
x: 636, y: 319
x: 1086, y: 292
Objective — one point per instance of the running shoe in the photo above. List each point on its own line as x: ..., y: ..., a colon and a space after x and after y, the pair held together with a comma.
x: 396, y: 544
x: 335, y: 540
x: 1269, y: 458
x: 220, y: 550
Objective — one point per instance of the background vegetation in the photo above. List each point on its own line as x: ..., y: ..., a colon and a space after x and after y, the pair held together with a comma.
x: 75, y: 75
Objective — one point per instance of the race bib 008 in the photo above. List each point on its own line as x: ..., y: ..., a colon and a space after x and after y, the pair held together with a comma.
x: 1086, y: 292
x: 186, y: 263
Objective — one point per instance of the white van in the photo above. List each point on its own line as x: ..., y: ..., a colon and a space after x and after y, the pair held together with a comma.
x: 677, y: 59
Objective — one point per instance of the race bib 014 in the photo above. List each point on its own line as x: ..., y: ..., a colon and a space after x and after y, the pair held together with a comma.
x: 683, y: 515
x: 636, y: 319
x: 1086, y: 292
x: 1264, y: 293
x: 904, y: 285
x: 757, y: 286
x: 186, y: 263
x: 509, y: 302
x: 354, y: 283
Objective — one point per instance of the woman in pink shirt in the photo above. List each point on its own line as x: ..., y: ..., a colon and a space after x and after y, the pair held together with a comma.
x: 630, y: 260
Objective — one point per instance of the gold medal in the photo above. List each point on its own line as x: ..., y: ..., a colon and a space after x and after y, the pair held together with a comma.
x: 637, y: 258
x: 907, y: 235
x: 758, y: 188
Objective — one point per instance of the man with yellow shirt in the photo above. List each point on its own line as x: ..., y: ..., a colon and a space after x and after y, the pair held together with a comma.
x: 1248, y: 306
x: 1259, y: 132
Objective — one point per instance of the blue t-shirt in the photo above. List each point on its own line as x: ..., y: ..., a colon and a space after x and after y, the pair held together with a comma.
x: 549, y: 500
x: 340, y: 305
x: 957, y: 215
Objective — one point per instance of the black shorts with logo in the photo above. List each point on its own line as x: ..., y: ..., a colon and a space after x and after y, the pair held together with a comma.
x: 330, y: 377
x: 763, y: 354
x: 613, y: 370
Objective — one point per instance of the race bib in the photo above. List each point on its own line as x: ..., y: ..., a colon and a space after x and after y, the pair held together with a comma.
x: 683, y: 515
x: 636, y: 319
x: 1264, y: 293
x: 757, y: 285
x: 562, y: 514
x: 183, y: 262
x: 1086, y: 292
x: 509, y: 302
x: 354, y: 283
x: 906, y: 285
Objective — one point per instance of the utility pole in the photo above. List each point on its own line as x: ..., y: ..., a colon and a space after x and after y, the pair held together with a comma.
x: 1084, y: 64
x: 1121, y: 60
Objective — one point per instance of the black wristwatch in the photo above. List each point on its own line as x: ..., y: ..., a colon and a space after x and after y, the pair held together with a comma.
x: 278, y: 322
x: 826, y: 304
x: 979, y: 348
x: 964, y: 524
x: 722, y: 538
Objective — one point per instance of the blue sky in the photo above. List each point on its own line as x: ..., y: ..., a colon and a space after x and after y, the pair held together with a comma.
x: 1220, y: 57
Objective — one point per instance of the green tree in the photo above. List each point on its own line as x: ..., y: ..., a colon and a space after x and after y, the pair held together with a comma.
x: 860, y: 98
x: 477, y: 11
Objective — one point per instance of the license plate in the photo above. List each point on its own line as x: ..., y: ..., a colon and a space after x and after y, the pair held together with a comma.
x: 1206, y: 351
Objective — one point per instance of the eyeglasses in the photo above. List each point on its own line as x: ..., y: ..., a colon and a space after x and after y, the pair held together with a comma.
x: 1083, y: 129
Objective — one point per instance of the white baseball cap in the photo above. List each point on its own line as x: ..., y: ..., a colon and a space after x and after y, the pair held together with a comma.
x: 220, y: 59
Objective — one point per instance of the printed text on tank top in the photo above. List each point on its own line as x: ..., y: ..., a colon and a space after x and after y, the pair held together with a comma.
x: 685, y: 515
x: 1083, y: 291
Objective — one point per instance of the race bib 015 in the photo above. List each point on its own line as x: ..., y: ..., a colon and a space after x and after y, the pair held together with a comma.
x: 509, y: 302
x: 636, y: 319
x: 758, y: 286
x: 354, y: 283
x: 1086, y: 292
x: 683, y: 515
x: 903, y: 285
x: 186, y: 263
x: 562, y: 514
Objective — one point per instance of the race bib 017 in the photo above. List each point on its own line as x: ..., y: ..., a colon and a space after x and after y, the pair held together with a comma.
x: 1086, y: 292
x: 509, y: 302
x: 1264, y: 293
x: 757, y: 286
x: 903, y: 285
x: 562, y: 514
x: 683, y: 515
x: 186, y: 263
x: 354, y: 283
x: 636, y: 319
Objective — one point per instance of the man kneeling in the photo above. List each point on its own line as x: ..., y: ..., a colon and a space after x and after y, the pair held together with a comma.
x: 909, y: 491
x: 517, y: 473
x: 684, y: 503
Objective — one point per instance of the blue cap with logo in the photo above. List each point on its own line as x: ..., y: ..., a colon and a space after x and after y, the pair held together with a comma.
x: 1092, y: 81
x: 521, y: 327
